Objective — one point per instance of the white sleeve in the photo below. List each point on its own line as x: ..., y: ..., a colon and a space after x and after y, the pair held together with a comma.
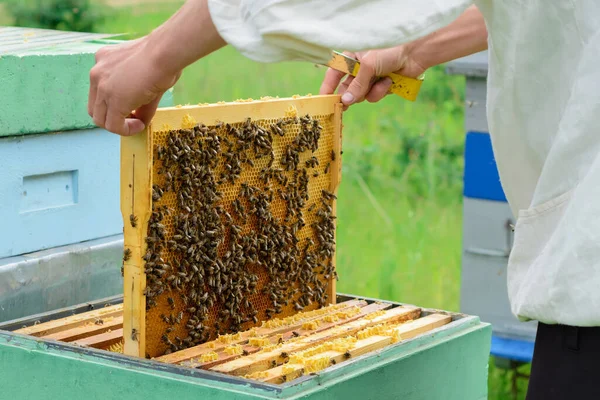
x: 306, y: 30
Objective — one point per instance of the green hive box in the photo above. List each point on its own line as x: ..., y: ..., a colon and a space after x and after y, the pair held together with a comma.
x: 447, y: 363
x: 61, y: 238
x: 45, y: 80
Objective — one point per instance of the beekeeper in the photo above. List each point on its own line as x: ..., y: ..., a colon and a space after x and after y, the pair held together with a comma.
x: 543, y: 112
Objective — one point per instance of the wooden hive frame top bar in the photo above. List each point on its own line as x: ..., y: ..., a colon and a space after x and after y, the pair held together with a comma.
x: 279, y: 351
x: 168, y: 282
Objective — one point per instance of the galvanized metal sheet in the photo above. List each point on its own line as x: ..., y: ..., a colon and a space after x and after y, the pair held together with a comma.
x: 475, y: 105
x: 16, y: 40
x: 14, y: 324
x: 475, y: 65
x: 486, y: 246
x: 60, y: 277
x: 486, y: 229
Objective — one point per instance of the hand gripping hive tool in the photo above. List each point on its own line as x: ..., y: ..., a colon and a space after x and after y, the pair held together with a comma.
x: 405, y: 87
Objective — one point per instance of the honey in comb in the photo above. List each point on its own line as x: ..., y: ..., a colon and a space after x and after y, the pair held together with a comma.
x: 240, y: 192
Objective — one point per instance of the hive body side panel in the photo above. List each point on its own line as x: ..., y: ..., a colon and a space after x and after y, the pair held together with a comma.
x: 51, y: 83
x: 41, y: 189
x: 30, y: 370
x: 136, y: 183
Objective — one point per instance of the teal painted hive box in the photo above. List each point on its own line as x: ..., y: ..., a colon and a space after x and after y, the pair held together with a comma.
x: 446, y: 363
x: 60, y: 178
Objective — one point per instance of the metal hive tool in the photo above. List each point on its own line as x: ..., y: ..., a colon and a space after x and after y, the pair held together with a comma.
x: 229, y: 214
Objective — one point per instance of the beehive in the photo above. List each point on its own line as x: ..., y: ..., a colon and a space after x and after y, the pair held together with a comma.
x: 62, y: 354
x: 279, y: 351
x: 229, y: 218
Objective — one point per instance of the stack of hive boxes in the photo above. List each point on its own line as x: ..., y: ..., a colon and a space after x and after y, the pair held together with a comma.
x: 61, y: 239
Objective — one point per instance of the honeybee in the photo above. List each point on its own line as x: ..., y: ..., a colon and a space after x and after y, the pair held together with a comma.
x: 126, y: 255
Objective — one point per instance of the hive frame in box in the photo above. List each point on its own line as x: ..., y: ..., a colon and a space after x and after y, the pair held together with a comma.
x: 137, y: 154
x: 454, y: 355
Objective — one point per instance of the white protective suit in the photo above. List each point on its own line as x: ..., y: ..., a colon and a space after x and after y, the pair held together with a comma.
x: 543, y: 112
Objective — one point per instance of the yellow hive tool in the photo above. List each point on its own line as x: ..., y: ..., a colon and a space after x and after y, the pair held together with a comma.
x: 402, y: 86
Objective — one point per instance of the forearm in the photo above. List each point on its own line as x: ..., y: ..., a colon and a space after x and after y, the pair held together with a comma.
x: 466, y: 35
x: 275, y: 30
x: 185, y: 38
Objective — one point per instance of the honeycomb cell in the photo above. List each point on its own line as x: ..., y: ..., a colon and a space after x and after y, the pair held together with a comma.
x: 220, y: 284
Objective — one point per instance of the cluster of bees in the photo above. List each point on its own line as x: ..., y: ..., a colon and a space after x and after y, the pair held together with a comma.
x: 206, y: 255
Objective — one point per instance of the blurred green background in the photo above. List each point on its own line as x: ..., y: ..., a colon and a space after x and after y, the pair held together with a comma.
x: 399, y: 208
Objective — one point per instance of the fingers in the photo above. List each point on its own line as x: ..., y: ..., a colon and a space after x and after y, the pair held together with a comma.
x: 146, y: 112
x: 134, y: 126
x: 331, y: 81
x: 333, y: 77
x: 117, y: 123
x: 121, y: 81
x: 111, y: 119
x: 379, y: 90
x: 361, y: 84
x: 344, y: 85
x: 361, y: 87
x: 99, y: 113
x: 105, y: 112
x: 367, y: 85
x: 94, y: 77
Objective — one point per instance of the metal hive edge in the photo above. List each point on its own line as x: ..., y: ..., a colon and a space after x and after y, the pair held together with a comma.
x: 18, y: 323
x: 460, y: 322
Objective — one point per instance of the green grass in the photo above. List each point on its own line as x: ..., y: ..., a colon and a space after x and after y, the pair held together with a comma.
x: 399, y: 208
x: 5, y: 18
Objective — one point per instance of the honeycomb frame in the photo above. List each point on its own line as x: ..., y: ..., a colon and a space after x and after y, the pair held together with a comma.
x: 142, y: 327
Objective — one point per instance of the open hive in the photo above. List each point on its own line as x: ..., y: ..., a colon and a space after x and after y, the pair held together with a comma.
x: 229, y: 216
x: 280, y: 350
